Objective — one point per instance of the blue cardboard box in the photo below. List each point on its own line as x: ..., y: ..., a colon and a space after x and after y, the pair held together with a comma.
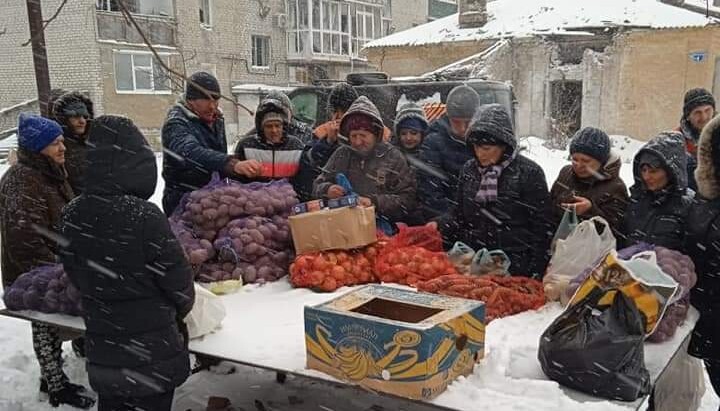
x: 396, y: 340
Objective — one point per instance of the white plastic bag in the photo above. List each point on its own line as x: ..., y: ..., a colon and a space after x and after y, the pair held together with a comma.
x: 207, y: 313
x: 461, y: 255
x: 582, y: 249
x: 490, y: 262
x: 682, y: 385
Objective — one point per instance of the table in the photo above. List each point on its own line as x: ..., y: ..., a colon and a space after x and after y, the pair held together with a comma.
x: 264, y: 328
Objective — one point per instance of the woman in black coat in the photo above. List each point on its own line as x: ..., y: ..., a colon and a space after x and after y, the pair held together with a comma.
x: 502, y: 200
x: 703, y: 245
x: 135, y: 282
x: 659, y: 199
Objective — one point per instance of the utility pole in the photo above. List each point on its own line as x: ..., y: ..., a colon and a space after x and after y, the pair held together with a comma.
x: 42, y: 73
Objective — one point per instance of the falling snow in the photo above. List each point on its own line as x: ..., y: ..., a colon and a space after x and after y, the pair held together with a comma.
x: 509, y: 378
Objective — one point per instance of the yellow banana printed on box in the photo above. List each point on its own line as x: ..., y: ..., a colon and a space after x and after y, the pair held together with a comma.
x: 416, y: 360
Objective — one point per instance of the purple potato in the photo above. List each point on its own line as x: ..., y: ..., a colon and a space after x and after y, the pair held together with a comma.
x: 31, y: 299
x: 250, y: 274
x: 13, y: 299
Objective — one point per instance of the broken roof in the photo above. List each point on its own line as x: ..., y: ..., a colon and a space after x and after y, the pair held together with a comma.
x: 526, y: 18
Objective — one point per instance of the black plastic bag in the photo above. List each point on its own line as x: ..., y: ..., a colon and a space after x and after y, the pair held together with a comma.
x: 598, y: 350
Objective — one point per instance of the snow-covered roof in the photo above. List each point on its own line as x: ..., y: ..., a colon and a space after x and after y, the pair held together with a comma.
x: 526, y: 18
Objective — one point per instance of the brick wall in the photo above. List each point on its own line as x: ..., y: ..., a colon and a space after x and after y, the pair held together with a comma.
x: 226, y: 46
x: 72, y: 51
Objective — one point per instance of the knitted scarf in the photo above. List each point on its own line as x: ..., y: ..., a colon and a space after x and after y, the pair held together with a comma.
x: 488, y: 191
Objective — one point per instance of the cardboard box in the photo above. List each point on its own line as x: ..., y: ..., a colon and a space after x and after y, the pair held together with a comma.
x: 395, y: 340
x: 343, y: 228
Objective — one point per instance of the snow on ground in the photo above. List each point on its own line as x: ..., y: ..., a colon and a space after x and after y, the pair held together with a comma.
x: 505, y: 374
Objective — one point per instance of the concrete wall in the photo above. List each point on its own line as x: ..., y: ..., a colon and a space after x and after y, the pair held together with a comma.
x: 413, y: 61
x: 656, y: 70
x: 73, y: 54
x: 407, y: 14
x: 601, y: 75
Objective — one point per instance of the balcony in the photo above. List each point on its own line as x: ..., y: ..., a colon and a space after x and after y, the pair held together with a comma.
x: 160, y: 30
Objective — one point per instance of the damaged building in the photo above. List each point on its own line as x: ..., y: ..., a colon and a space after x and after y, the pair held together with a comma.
x: 622, y: 65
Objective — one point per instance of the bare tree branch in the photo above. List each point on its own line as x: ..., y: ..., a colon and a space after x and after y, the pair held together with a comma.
x: 46, y: 23
x: 129, y: 17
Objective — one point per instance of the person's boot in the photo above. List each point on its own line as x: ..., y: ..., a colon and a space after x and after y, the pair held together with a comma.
x: 75, y: 387
x: 71, y: 397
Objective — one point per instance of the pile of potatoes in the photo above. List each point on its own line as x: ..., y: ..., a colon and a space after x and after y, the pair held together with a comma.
x: 232, y: 231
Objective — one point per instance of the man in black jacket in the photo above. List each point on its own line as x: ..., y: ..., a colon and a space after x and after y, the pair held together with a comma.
x: 698, y: 110
x: 194, y: 143
x: 136, y: 285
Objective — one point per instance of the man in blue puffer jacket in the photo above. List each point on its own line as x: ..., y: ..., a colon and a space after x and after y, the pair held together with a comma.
x: 194, y: 144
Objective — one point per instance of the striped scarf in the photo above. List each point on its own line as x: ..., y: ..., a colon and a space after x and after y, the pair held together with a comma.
x: 488, y: 191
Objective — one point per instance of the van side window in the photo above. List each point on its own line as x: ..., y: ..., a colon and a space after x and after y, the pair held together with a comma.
x: 306, y: 107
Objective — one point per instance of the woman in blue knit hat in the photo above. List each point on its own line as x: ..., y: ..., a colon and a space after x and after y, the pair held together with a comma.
x: 32, y: 195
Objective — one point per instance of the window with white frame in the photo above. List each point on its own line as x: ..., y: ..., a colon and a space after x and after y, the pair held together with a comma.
x: 260, y: 51
x: 331, y: 27
x: 387, y: 19
x: 206, y: 13
x: 139, y: 72
x: 365, y: 26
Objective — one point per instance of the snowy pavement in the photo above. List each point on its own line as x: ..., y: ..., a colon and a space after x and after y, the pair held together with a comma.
x: 497, y: 384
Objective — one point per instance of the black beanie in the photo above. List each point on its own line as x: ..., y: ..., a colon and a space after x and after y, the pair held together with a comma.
x: 462, y: 102
x: 206, y: 81
x: 592, y: 142
x: 695, y: 98
x: 341, y: 97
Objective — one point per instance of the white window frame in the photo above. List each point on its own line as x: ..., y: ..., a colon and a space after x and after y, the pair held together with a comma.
x: 356, y: 11
x: 362, y: 14
x: 135, y: 90
x: 207, y: 13
x: 268, y: 50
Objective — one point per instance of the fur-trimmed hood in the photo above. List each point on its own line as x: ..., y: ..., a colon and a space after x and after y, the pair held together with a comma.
x: 706, y: 173
x: 64, y: 107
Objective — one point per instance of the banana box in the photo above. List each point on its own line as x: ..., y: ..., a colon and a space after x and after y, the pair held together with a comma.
x: 396, y: 340
x: 640, y: 279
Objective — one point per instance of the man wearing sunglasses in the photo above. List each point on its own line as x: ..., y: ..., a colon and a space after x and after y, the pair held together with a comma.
x: 73, y: 111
